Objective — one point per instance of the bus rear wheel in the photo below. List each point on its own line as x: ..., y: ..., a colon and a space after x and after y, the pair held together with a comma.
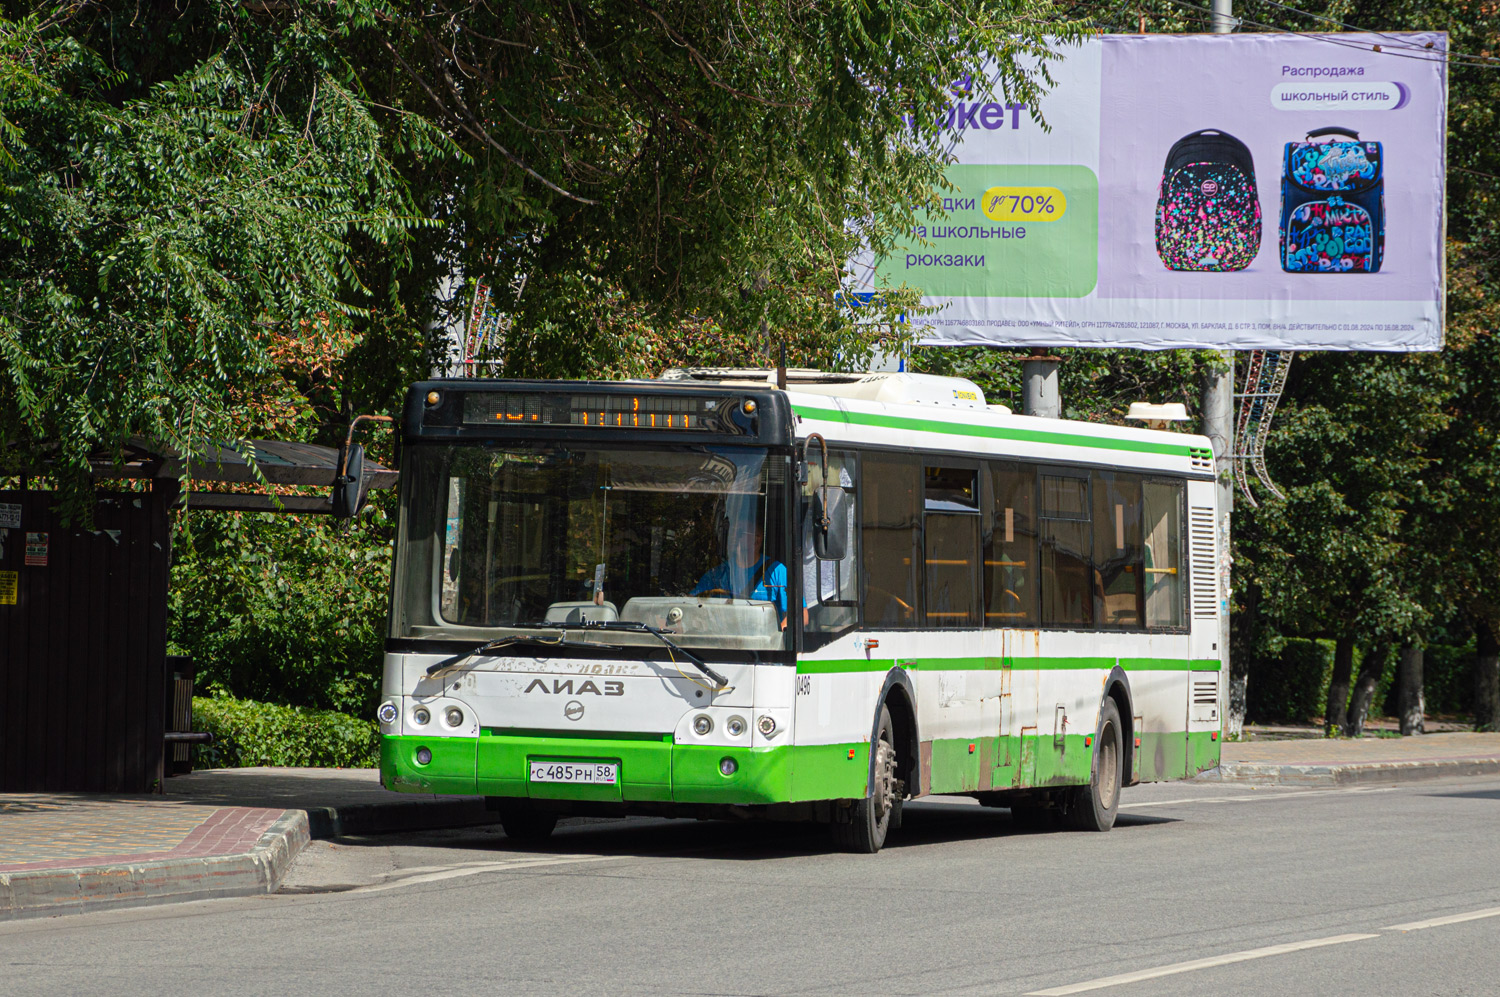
x: 872, y: 818
x: 1093, y: 807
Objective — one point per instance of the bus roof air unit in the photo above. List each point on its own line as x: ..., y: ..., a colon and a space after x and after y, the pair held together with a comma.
x: 893, y: 388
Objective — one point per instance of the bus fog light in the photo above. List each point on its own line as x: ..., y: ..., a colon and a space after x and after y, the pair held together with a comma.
x: 702, y: 725
x: 767, y: 725
x: 454, y: 716
x: 387, y: 713
x: 420, y: 716
x: 728, y: 766
x: 424, y: 756
x: 735, y: 726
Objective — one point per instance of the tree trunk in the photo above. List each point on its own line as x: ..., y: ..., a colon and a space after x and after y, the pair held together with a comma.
x: 1336, y: 716
x: 1241, y: 641
x: 1364, y: 689
x: 1486, y: 677
x: 1411, y: 703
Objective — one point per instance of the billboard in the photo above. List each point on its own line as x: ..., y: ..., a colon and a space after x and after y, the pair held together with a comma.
x: 1255, y: 191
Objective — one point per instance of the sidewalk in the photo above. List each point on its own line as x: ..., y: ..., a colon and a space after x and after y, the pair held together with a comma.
x: 235, y: 832
x: 216, y: 833
x: 1317, y: 761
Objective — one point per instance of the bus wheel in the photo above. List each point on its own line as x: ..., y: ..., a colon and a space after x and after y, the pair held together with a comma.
x: 525, y: 824
x: 871, y: 818
x: 1093, y: 807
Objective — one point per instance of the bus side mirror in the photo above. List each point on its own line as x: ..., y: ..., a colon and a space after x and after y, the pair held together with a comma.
x: 349, y: 487
x: 832, y: 543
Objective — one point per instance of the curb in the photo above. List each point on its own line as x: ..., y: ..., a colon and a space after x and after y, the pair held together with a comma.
x: 49, y: 892
x: 1353, y: 773
x: 387, y: 818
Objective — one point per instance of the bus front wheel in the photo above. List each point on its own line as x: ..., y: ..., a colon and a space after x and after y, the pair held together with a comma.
x: 871, y: 819
x: 524, y: 824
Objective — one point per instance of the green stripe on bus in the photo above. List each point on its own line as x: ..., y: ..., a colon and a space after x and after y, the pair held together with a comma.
x: 997, y: 662
x: 988, y: 432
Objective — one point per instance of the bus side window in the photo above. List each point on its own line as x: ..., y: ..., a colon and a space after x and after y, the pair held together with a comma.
x: 1119, y: 592
x: 891, y: 541
x: 951, y: 538
x: 1010, y: 548
x: 1161, y: 501
x: 830, y: 588
x: 1066, y: 551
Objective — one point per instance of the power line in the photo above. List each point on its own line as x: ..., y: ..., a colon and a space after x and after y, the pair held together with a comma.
x: 1478, y: 62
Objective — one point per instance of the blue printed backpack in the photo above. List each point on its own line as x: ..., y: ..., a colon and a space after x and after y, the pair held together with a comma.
x: 1207, y: 208
x: 1332, y: 204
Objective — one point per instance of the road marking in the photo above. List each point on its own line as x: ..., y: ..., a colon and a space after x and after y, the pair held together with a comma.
x: 1277, y: 794
x: 1472, y: 915
x: 433, y: 874
x: 1196, y: 964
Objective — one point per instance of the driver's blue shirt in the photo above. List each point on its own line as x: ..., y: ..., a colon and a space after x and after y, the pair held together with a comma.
x: 735, y: 579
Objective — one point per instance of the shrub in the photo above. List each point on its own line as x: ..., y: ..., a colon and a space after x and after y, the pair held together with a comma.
x: 1292, y: 686
x: 282, y: 609
x: 249, y: 733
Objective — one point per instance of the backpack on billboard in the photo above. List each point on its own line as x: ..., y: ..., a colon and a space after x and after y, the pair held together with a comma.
x: 1332, y: 204
x: 1207, y: 208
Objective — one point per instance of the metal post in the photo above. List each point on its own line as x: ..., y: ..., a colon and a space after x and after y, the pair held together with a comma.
x: 1218, y: 426
x: 1223, y: 17
x: 1040, y: 396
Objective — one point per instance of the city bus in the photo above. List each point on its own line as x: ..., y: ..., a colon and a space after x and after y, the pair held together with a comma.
x: 793, y: 595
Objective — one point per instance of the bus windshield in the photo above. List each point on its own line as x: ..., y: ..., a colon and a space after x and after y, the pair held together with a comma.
x: 691, y: 541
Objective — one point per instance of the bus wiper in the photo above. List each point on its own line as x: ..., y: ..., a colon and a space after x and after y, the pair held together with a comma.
x: 658, y: 633
x: 497, y: 644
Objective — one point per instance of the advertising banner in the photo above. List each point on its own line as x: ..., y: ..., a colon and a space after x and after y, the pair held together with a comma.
x: 1254, y: 191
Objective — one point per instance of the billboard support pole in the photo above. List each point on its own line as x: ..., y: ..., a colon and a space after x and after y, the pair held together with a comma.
x: 1218, y: 426
x: 1040, y: 395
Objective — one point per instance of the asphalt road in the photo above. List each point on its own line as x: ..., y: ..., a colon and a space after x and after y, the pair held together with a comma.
x: 1200, y: 889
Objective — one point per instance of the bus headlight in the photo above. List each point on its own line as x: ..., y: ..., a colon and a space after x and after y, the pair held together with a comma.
x: 702, y: 724
x: 424, y: 756
x: 766, y: 725
x: 420, y: 716
x: 387, y: 713
x: 735, y: 726
x: 454, y: 716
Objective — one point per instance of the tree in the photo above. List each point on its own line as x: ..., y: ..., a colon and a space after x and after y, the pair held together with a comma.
x: 179, y: 186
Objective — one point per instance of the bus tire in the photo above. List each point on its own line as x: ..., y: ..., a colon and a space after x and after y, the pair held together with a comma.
x: 1093, y: 807
x: 525, y: 824
x: 872, y: 818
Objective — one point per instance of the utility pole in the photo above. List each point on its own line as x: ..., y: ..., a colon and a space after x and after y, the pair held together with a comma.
x: 1218, y: 426
x: 1040, y: 395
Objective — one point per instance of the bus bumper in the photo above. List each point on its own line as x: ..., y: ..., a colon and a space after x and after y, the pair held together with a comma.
x: 652, y: 770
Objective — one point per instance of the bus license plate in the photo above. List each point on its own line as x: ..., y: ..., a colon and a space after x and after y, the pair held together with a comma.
x: 589, y: 773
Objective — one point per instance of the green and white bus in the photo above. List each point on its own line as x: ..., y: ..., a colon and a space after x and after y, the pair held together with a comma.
x: 710, y: 595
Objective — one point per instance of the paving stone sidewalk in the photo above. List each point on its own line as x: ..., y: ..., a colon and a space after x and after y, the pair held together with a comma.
x: 217, y: 833
x: 235, y: 832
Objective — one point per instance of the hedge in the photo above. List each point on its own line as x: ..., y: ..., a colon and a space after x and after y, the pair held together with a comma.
x: 1293, y: 686
x: 249, y: 733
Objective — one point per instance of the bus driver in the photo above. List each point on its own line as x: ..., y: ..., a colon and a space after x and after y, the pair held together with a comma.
x: 747, y: 574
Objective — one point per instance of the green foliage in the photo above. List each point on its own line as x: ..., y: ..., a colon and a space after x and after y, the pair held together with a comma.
x: 247, y: 733
x: 699, y: 162
x: 177, y: 187
x: 286, y: 609
x: 1292, y: 685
